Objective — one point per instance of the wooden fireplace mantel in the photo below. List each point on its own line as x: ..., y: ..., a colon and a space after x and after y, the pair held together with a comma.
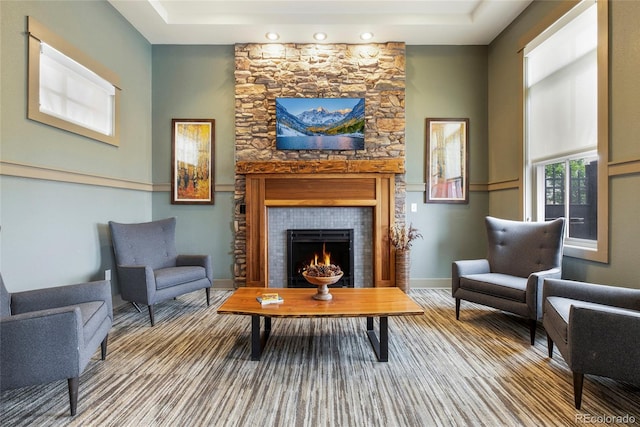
x: 321, y: 166
x: 329, y: 188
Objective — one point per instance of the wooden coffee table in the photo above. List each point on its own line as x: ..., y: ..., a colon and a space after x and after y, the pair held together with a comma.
x: 346, y: 302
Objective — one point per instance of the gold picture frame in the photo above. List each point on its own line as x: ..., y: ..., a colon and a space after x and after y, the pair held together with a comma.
x: 192, y: 148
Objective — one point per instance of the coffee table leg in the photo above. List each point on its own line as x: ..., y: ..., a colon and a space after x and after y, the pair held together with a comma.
x: 256, y: 345
x: 258, y: 341
x: 267, y: 328
x: 380, y: 346
x: 384, y: 339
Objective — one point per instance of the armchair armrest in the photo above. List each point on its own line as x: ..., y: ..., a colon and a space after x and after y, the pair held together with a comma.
x: 472, y: 266
x: 534, y: 290
x: 32, y: 343
x: 465, y: 267
x: 605, y: 342
x: 61, y: 296
x: 137, y: 283
x: 539, y: 276
x: 590, y: 292
x: 197, y: 260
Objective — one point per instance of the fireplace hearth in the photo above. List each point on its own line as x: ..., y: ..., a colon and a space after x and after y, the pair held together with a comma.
x: 305, y: 246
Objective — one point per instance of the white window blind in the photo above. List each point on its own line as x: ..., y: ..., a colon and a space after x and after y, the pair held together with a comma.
x: 74, y: 93
x: 562, y: 98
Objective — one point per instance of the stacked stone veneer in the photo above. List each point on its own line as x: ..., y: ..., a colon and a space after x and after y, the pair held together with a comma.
x: 264, y: 72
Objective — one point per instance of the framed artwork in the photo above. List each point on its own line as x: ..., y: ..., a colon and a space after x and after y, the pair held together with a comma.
x: 320, y: 123
x: 192, y: 148
x: 447, y: 161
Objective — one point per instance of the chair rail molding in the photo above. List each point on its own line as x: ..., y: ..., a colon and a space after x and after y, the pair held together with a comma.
x: 23, y: 170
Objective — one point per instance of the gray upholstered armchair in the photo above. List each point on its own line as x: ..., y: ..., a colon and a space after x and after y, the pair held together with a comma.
x: 149, y: 268
x: 520, y: 256
x: 51, y: 334
x: 596, y: 329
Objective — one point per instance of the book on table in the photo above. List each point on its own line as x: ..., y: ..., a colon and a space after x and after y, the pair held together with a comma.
x: 270, y: 298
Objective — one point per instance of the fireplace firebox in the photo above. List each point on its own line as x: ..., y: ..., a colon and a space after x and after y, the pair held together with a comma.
x: 303, y: 246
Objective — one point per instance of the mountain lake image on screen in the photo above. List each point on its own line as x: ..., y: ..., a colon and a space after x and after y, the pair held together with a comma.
x: 320, y: 123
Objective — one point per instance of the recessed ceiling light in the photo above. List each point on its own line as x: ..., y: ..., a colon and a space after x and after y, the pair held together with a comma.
x: 366, y: 36
x: 320, y: 36
x: 272, y: 36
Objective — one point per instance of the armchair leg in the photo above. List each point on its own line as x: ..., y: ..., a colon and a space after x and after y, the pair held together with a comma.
x: 137, y: 307
x: 578, y: 380
x: 153, y: 322
x: 457, y: 308
x: 103, y: 348
x: 208, y: 291
x: 73, y: 394
x: 533, y: 324
x: 550, y: 346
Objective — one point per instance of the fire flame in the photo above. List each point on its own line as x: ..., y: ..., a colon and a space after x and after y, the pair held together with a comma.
x: 319, y: 269
x: 326, y: 257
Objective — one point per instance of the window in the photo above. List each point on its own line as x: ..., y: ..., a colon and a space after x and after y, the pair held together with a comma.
x: 568, y: 188
x: 74, y: 93
x: 565, y: 134
x: 68, y: 90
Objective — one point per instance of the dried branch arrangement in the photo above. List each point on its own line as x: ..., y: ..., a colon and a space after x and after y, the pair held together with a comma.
x: 402, y: 237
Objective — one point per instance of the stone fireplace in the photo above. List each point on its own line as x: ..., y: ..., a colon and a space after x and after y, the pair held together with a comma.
x: 266, y: 178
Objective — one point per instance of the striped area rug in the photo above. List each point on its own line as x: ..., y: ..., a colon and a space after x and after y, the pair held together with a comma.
x: 194, y: 369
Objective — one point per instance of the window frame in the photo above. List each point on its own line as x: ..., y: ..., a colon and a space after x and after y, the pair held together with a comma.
x: 539, y: 194
x: 599, y: 251
x: 37, y: 34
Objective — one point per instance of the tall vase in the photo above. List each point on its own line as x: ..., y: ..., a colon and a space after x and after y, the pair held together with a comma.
x: 402, y: 270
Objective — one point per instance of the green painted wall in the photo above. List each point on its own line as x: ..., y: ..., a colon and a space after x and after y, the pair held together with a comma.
x: 100, y: 29
x: 196, y: 82
x: 624, y: 198
x: 55, y: 232
x: 445, y: 81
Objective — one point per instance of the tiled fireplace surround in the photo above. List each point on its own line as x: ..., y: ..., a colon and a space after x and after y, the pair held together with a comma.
x: 359, y: 219
x: 276, y: 190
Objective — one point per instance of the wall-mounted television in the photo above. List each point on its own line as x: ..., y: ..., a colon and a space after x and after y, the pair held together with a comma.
x: 320, y: 123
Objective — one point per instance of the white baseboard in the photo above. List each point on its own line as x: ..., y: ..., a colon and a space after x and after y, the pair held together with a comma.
x: 444, y: 283
x: 223, y: 284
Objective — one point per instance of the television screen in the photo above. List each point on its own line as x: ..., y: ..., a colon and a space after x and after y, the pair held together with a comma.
x: 320, y: 123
